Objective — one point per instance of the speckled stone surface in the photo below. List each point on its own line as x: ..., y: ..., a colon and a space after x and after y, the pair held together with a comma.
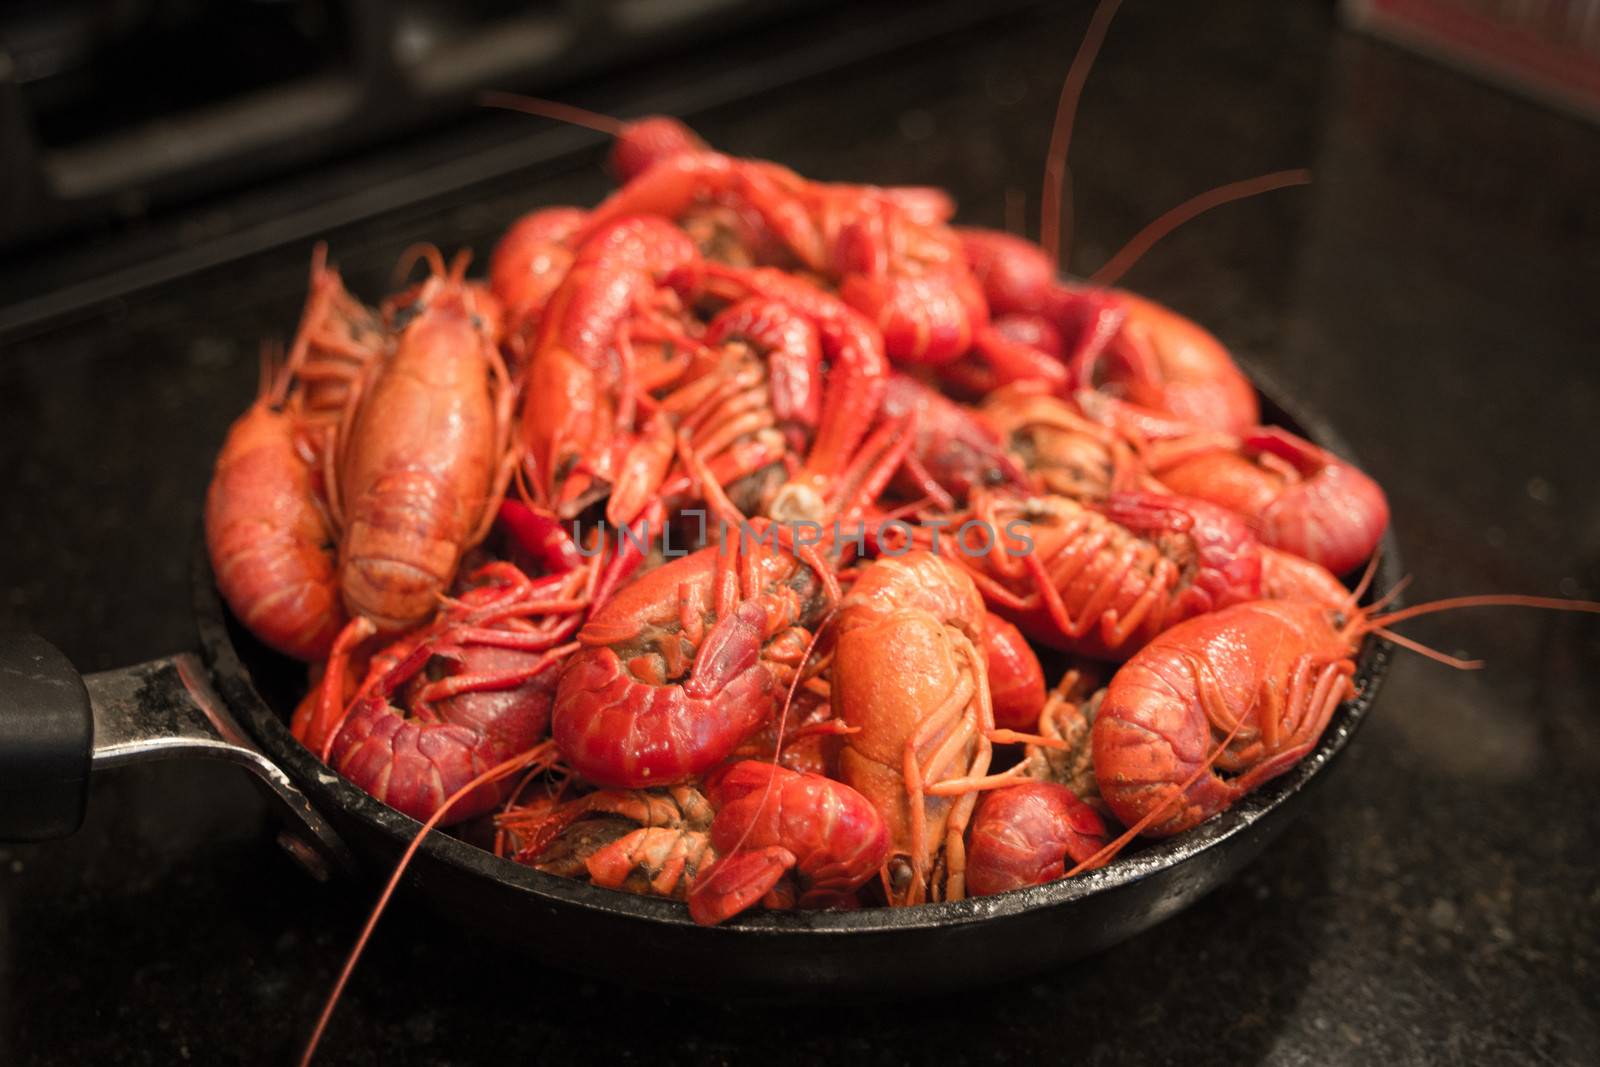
x: 1434, y: 294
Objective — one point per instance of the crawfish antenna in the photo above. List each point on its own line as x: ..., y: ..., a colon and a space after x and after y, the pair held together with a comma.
x: 1387, y: 598
x: 268, y: 382
x: 1380, y: 624
x: 1367, y: 576
x: 1052, y: 219
x: 1119, y: 264
x: 319, y: 295
x: 502, y: 770
x: 1431, y: 653
x: 550, y: 109
x: 408, y: 259
x: 1484, y: 600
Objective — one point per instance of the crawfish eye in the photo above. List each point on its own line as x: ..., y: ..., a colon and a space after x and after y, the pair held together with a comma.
x: 404, y: 315
x: 900, y: 875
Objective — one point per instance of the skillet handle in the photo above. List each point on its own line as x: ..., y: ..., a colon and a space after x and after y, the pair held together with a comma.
x: 46, y: 739
x: 163, y: 709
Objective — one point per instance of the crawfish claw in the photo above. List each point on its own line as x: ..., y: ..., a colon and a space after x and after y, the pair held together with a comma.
x: 732, y: 646
x: 737, y: 882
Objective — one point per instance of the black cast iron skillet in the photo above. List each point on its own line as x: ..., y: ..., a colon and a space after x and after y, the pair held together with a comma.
x: 232, y: 701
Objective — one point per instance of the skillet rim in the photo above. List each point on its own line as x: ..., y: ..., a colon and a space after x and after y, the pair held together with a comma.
x: 325, y: 788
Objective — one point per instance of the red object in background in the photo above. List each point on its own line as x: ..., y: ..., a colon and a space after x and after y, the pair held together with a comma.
x: 1549, y: 49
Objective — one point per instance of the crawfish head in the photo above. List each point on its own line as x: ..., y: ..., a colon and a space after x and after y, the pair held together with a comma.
x: 665, y: 689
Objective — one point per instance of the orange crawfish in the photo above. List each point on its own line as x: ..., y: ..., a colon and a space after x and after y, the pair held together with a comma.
x: 911, y: 678
x: 271, y: 541
x: 1067, y: 453
x: 422, y: 456
x: 1219, y: 705
x: 528, y: 265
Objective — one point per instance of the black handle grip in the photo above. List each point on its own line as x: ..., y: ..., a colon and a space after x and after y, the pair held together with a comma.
x: 46, y: 741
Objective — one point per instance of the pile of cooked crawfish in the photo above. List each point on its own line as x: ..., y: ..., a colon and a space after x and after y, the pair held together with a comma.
x: 718, y: 545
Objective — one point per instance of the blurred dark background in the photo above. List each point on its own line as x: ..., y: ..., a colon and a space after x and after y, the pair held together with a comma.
x: 167, y: 166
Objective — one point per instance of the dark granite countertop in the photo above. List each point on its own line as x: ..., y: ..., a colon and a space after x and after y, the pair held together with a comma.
x: 1434, y: 294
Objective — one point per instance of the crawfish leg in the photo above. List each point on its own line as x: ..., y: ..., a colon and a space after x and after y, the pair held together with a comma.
x: 330, y: 703
x: 949, y: 719
x: 1324, y: 697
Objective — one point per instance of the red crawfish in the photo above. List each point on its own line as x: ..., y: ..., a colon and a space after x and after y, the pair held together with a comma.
x: 749, y: 395
x: 821, y: 489
x: 888, y: 250
x: 578, y: 398
x: 787, y: 839
x: 687, y: 661
x: 953, y: 450
x: 1103, y: 580
x: 1296, y: 496
x: 1016, y: 680
x: 442, y: 705
x: 1029, y: 834
x: 1012, y: 349
x: 1114, y: 340
x: 529, y: 263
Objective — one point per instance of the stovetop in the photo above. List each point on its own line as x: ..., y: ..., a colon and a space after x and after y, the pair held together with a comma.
x: 1432, y: 293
